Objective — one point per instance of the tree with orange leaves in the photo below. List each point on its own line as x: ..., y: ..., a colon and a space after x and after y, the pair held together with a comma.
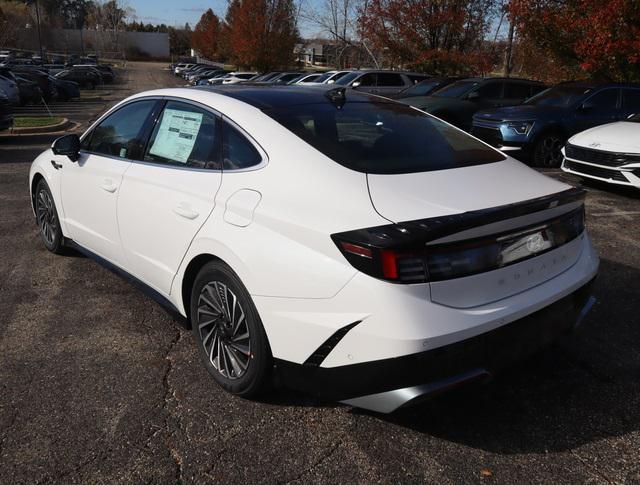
x: 599, y: 39
x: 262, y: 33
x: 206, y: 35
x: 437, y: 36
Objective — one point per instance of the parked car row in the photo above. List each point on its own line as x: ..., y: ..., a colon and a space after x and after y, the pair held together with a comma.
x: 525, y: 118
x: 23, y: 83
x: 26, y: 85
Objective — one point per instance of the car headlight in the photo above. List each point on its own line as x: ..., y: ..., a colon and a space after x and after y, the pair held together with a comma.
x: 521, y: 127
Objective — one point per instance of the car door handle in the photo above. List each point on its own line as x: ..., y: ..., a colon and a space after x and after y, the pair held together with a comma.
x: 185, y: 212
x: 109, y: 186
x: 56, y: 165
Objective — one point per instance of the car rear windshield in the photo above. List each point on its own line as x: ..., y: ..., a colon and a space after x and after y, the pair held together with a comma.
x: 421, y: 89
x: 559, y: 96
x: 324, y: 77
x: 383, y: 138
x: 346, y: 79
x: 455, y: 90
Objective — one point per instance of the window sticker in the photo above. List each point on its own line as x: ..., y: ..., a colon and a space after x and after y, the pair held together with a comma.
x: 176, y: 135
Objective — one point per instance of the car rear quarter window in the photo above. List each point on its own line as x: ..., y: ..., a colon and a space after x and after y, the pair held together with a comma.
x: 185, y: 135
x: 605, y: 99
x: 238, y: 152
x: 367, y: 80
x: 389, y: 79
x: 383, y: 138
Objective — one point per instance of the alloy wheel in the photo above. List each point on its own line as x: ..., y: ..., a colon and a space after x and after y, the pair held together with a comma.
x: 46, y: 216
x: 224, y: 330
x: 550, y: 154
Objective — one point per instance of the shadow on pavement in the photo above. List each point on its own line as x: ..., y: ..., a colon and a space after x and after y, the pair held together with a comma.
x: 583, y: 389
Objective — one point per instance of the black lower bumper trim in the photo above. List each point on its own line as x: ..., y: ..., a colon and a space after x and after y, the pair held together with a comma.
x: 493, y: 351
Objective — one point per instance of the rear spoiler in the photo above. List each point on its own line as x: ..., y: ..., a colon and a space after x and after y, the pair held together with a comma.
x: 419, y: 232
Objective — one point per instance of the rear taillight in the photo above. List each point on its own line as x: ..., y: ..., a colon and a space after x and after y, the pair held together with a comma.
x: 405, y: 253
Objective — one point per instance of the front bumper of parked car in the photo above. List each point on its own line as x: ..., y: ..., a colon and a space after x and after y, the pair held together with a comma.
x: 502, y: 134
x: 610, y: 167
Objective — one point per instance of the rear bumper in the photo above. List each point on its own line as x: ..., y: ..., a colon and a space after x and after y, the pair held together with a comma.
x: 388, y: 384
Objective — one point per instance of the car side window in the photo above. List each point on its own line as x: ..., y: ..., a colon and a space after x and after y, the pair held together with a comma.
x: 118, y: 134
x: 389, y: 79
x: 185, y: 135
x: 515, y: 90
x: 367, y: 80
x: 631, y: 100
x: 491, y: 90
x: 238, y: 152
x: 606, y: 99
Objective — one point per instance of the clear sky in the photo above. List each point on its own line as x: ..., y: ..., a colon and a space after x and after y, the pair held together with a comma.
x: 177, y: 12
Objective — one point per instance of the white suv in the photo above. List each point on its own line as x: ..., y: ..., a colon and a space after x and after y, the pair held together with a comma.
x: 344, y: 244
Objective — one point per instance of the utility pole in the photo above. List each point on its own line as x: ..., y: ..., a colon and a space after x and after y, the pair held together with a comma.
x: 508, y: 53
x: 39, y: 34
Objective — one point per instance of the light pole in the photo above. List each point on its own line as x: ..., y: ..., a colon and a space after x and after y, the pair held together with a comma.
x: 39, y: 34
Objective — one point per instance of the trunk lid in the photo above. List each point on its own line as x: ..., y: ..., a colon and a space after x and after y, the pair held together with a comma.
x: 504, y: 200
x: 412, y: 196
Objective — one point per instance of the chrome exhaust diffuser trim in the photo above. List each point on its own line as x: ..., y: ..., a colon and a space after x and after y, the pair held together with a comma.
x: 389, y: 401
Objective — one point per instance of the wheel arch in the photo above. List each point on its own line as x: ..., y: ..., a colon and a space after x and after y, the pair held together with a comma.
x: 191, y: 271
x: 553, y: 128
x: 35, y: 180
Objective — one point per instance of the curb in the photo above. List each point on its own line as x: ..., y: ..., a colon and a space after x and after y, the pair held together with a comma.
x: 22, y: 137
x: 40, y: 129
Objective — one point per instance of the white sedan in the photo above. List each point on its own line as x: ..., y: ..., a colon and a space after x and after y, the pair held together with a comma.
x: 343, y: 244
x: 609, y: 153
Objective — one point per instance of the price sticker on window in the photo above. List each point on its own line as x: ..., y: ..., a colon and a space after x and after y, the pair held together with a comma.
x: 176, y: 135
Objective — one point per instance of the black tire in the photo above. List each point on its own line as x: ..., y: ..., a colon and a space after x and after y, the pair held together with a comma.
x: 47, y: 219
x: 240, y: 366
x: 546, y: 152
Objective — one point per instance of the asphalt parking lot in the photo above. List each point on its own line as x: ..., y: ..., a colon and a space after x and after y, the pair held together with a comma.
x: 99, y: 384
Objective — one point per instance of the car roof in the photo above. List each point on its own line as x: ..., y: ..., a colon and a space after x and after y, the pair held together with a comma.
x: 270, y: 97
x: 498, y: 78
x: 597, y: 84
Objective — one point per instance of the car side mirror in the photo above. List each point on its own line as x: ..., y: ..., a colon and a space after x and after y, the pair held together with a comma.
x: 473, y: 96
x: 68, y: 145
x: 355, y: 84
